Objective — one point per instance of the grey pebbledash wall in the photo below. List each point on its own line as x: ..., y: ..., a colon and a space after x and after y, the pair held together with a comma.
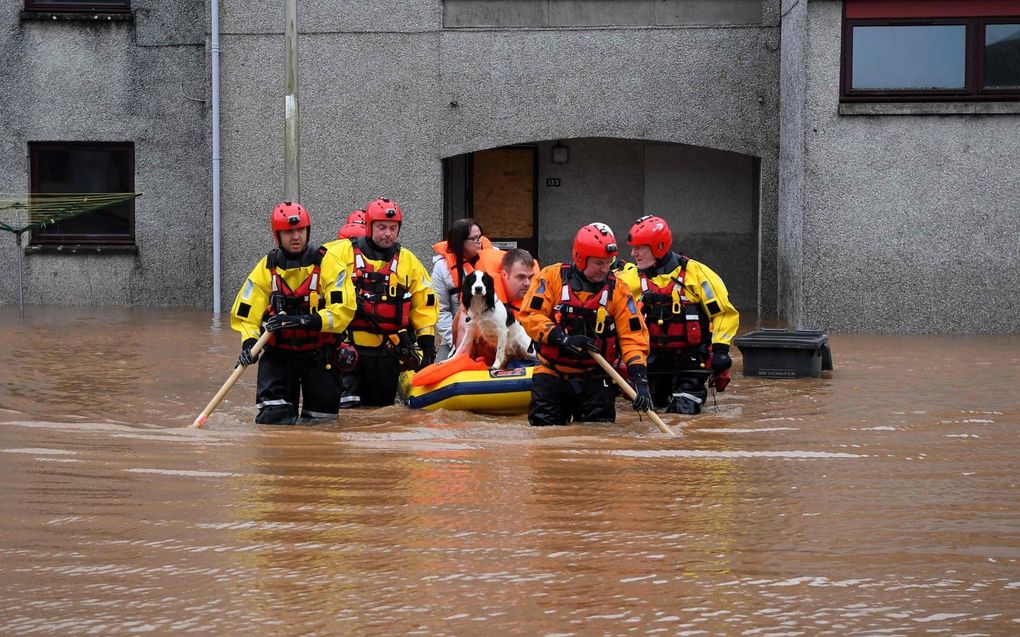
x: 144, y: 81
x: 378, y: 81
x: 893, y: 217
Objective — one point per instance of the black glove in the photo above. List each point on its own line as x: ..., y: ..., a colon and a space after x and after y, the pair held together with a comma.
x: 721, y: 360
x: 246, y: 358
x: 576, y: 345
x: 311, y: 322
x: 428, y: 350
x: 639, y: 377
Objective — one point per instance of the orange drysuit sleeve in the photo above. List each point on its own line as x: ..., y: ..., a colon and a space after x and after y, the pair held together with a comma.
x: 631, y: 332
x: 537, y: 307
x: 544, y: 294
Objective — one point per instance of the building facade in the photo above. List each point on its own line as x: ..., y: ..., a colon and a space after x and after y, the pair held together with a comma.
x: 823, y: 192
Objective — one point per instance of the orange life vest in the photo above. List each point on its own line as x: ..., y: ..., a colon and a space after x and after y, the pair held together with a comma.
x: 490, y: 260
x: 590, y: 318
x: 303, y: 300
x: 513, y: 308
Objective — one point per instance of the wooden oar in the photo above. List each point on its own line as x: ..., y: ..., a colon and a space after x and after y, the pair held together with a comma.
x: 629, y: 391
x: 255, y: 349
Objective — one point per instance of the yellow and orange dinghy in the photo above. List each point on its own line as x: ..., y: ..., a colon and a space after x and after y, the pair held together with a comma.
x: 464, y: 384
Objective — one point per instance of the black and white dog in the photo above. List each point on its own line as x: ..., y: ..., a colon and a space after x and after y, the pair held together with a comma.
x: 489, y: 320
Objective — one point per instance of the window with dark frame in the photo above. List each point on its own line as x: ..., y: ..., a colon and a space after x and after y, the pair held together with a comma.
x: 82, y: 167
x: 930, y: 51
x: 1001, y: 50
x: 59, y: 6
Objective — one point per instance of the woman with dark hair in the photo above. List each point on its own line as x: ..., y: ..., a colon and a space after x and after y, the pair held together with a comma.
x: 464, y: 251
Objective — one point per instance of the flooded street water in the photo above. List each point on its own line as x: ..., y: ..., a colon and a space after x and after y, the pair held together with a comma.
x: 882, y: 500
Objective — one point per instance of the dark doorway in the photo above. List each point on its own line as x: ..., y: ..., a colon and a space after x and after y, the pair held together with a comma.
x: 498, y: 188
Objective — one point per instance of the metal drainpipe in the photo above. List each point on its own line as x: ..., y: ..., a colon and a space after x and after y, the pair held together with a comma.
x: 215, y: 29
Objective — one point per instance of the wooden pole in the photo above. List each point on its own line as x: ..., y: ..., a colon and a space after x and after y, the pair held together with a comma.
x: 629, y: 391
x: 255, y: 349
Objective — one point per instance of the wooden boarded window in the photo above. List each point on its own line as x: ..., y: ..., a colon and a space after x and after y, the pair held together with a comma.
x: 503, y: 194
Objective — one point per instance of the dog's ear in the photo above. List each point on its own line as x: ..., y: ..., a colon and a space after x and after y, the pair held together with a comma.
x: 510, y: 318
x: 465, y: 291
x: 490, y: 291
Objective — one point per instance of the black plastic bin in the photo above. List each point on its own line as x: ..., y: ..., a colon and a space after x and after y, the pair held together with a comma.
x: 779, y: 353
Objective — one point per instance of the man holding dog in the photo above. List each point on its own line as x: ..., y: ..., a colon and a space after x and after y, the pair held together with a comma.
x: 396, y: 308
x: 571, y: 310
x: 689, y: 316
x: 304, y: 297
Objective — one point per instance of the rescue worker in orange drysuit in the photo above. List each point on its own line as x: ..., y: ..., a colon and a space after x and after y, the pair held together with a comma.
x: 571, y: 310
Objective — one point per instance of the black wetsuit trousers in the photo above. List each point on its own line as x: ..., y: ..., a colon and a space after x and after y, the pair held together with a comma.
x: 374, y: 380
x: 677, y: 372
x: 285, y: 376
x: 556, y: 400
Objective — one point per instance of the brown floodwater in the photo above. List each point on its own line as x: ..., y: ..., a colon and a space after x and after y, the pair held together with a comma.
x: 881, y: 500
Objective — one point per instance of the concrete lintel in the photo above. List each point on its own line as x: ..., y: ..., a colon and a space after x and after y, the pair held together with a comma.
x: 78, y: 16
x: 929, y: 108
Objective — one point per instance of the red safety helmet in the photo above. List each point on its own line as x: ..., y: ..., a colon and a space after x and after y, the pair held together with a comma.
x: 594, y: 240
x: 653, y: 232
x: 288, y: 216
x: 353, y: 229
x: 383, y: 209
x: 356, y: 216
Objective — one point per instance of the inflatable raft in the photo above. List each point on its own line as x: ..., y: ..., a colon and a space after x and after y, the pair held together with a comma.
x: 483, y: 391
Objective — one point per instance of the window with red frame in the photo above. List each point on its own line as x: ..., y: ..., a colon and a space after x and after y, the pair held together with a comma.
x: 60, y: 6
x: 943, y: 50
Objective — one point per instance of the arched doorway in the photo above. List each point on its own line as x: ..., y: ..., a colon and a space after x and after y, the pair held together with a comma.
x: 536, y: 195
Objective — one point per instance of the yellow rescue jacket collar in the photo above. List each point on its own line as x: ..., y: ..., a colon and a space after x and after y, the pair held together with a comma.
x: 280, y: 258
x: 669, y: 262
x: 372, y: 250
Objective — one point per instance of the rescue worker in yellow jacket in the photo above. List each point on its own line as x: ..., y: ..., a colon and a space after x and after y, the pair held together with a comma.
x: 304, y: 296
x: 571, y: 310
x: 397, y: 309
x: 689, y: 316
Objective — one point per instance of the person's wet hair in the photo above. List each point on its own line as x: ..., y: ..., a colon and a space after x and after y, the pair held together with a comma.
x: 517, y: 255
